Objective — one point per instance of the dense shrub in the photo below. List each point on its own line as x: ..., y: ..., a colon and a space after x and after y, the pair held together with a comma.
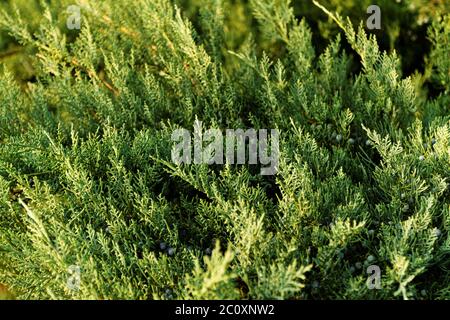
x: 86, y: 175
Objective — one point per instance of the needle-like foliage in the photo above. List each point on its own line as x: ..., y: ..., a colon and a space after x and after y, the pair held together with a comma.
x: 86, y: 177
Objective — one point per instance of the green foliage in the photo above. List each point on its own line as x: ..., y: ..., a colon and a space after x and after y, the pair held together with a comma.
x: 86, y: 177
